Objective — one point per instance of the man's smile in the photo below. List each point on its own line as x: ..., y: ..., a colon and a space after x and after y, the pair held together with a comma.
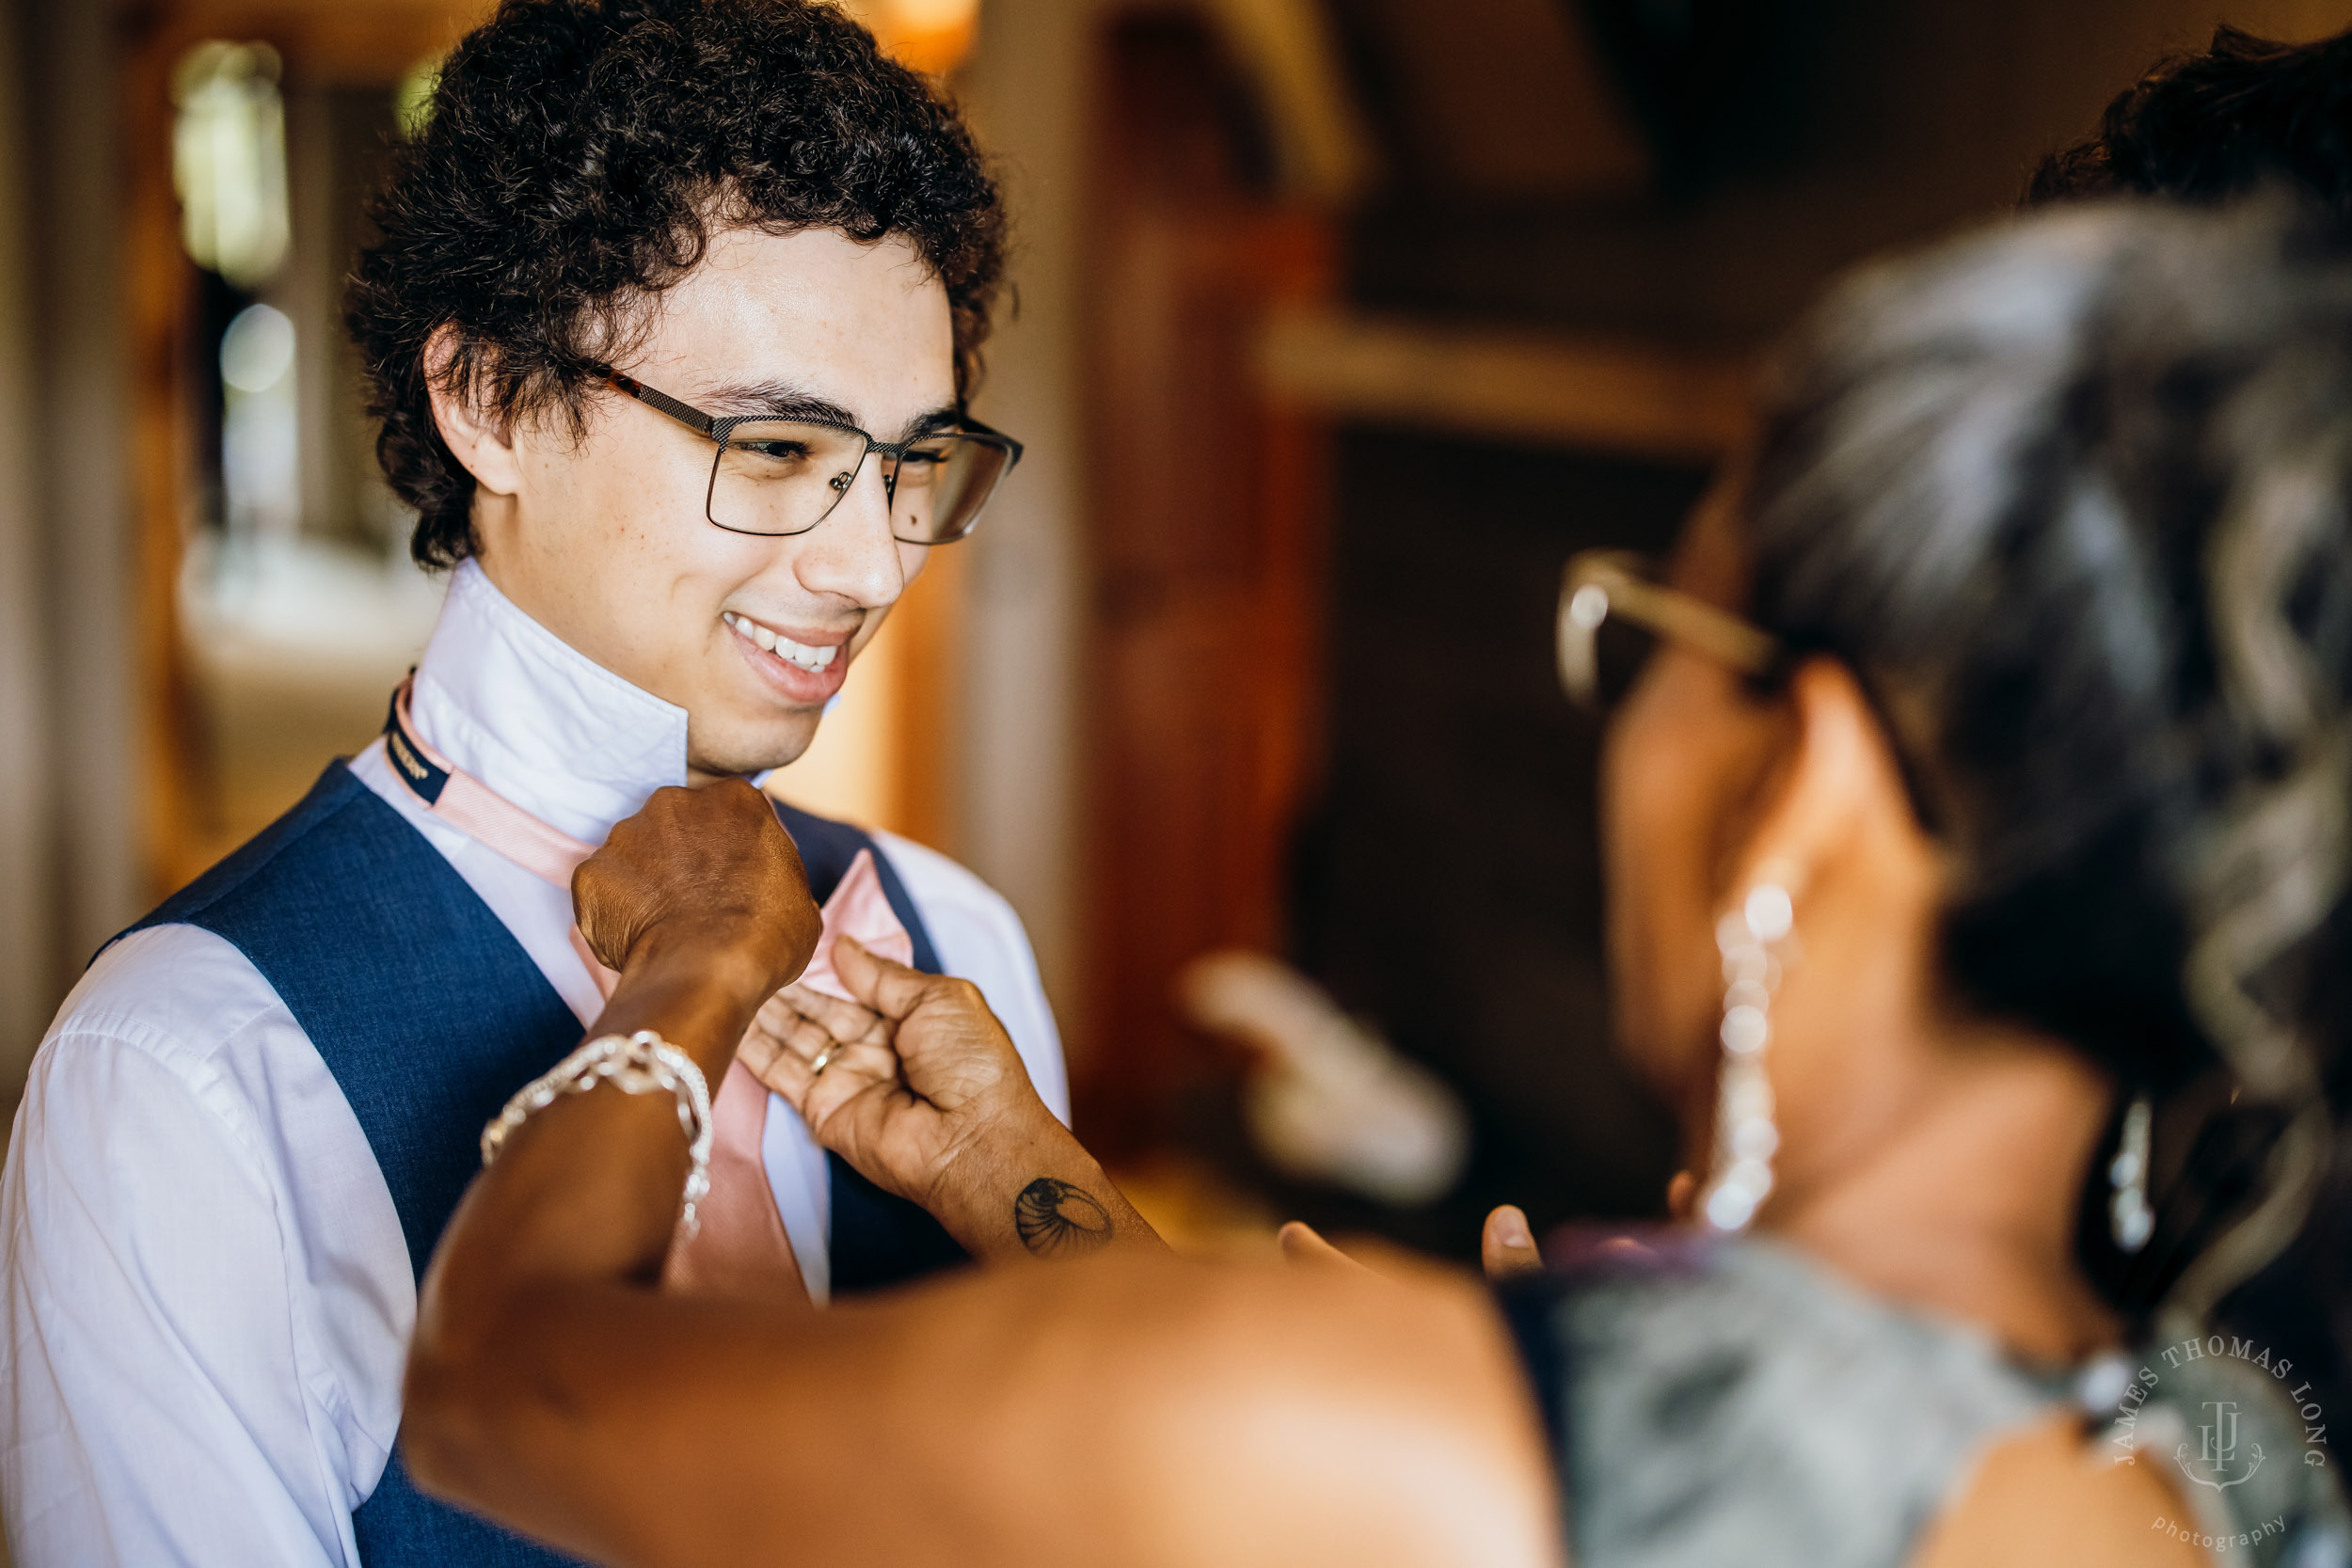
x: 804, y: 668
x: 814, y: 657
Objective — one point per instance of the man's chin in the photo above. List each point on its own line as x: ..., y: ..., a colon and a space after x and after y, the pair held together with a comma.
x: 751, y: 753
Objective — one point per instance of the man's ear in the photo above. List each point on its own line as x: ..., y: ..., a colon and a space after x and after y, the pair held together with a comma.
x: 1840, y: 773
x: 480, y: 441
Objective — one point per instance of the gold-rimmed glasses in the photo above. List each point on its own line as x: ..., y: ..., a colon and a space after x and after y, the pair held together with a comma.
x: 1613, y: 611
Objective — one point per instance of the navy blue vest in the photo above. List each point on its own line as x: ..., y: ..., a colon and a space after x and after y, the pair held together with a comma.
x: 430, y: 1015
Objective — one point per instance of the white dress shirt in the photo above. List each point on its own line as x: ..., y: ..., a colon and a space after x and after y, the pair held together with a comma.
x: 207, y: 1295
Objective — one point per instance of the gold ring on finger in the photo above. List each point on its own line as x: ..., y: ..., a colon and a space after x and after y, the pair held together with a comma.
x: 823, y: 1058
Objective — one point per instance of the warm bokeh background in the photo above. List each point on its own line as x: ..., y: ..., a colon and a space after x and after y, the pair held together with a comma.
x: 1340, y: 324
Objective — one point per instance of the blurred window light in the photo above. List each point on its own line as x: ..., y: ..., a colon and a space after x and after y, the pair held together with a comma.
x: 929, y: 36
x: 412, y: 98
x: 261, y: 466
x: 257, y: 350
x: 229, y: 159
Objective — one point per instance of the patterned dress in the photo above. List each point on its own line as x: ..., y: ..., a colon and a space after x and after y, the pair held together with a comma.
x: 1714, y: 1403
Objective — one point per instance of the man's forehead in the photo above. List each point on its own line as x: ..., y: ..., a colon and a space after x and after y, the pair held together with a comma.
x: 778, y: 324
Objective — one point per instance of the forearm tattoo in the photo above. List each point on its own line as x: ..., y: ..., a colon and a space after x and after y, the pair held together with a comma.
x: 1054, y: 1217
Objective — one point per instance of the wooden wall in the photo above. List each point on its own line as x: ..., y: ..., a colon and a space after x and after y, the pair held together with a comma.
x: 1205, y: 549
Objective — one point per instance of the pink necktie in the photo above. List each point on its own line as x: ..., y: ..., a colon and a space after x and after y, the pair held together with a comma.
x: 741, y: 1246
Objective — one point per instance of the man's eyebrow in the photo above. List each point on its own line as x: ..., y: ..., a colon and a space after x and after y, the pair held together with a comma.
x: 778, y: 400
x: 942, y: 417
x: 783, y: 401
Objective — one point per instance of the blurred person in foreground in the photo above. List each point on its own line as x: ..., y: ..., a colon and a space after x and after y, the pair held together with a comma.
x: 669, y: 318
x: 2207, y: 128
x: 1983, y: 788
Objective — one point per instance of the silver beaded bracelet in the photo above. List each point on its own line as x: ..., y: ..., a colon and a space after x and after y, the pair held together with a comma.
x: 641, y: 1063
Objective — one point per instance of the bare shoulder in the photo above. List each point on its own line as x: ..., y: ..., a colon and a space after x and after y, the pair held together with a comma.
x: 1293, y: 1416
x: 2046, y: 1495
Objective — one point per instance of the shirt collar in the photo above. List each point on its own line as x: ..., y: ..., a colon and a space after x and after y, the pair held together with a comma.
x: 536, y: 719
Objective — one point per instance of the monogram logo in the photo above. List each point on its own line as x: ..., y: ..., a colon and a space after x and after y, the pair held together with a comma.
x: 2219, y: 1462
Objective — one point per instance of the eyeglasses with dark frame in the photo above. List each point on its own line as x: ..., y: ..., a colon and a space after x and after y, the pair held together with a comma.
x: 775, y: 477
x: 1619, y: 589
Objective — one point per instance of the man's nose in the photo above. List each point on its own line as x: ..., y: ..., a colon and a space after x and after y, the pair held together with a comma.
x: 851, y: 553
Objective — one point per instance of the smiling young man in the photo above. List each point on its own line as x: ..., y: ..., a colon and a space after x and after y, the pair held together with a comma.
x: 670, y: 322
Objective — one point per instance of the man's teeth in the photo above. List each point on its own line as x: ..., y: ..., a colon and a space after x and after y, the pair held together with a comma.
x: 811, y: 660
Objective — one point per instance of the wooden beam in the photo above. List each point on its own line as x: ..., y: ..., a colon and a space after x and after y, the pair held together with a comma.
x: 1594, y: 395
x: 1288, y: 47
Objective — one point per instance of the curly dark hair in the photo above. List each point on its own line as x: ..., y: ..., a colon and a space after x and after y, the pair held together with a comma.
x: 2208, y: 127
x: 577, y: 156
